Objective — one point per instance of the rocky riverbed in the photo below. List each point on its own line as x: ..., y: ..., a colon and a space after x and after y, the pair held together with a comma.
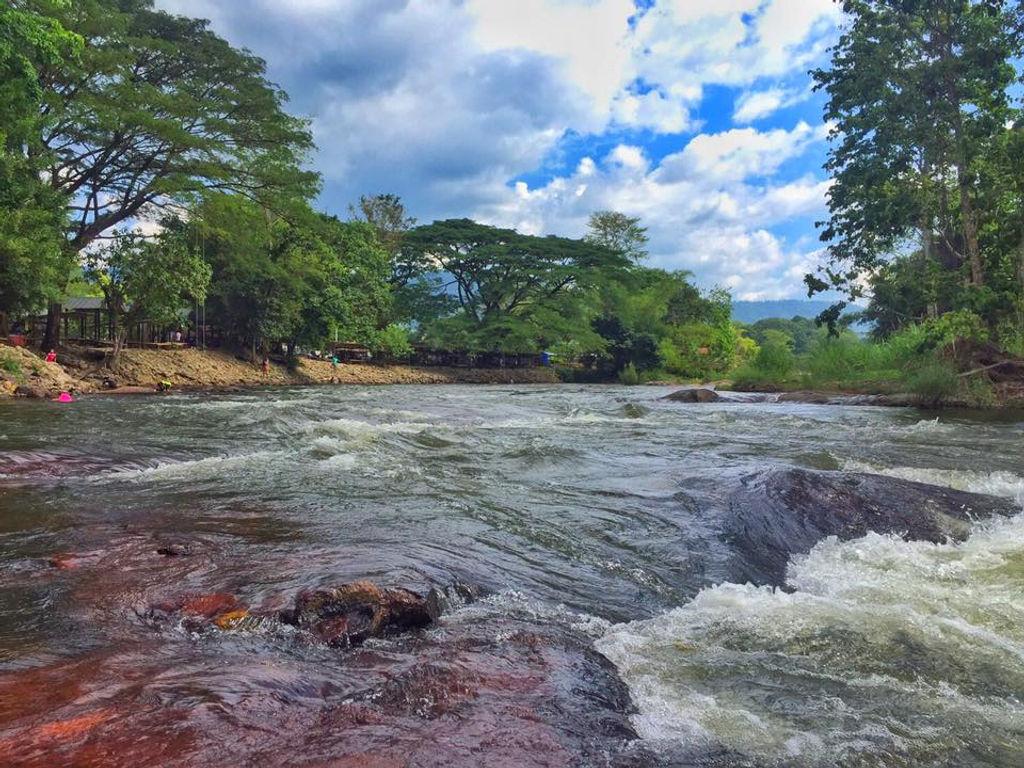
x: 552, y: 576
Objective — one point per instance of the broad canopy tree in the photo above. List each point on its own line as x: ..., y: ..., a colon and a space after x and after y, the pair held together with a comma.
x: 510, y: 286
x: 157, y: 110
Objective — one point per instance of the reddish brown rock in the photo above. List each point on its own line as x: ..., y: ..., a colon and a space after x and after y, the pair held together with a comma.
x: 209, y: 606
x: 351, y: 613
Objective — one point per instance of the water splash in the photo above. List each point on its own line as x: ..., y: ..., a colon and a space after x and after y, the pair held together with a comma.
x: 886, y: 651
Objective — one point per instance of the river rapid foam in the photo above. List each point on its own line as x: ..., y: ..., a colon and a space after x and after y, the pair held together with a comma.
x: 590, y: 517
x: 880, y: 652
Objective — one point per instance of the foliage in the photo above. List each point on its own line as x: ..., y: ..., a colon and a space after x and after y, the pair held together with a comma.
x: 928, y: 198
x: 933, y: 382
x: 619, y: 233
x: 159, y: 108
x: 629, y: 375
x: 803, y: 332
x: 305, y: 280
x: 147, y: 280
x: 10, y: 365
x: 32, y: 260
x: 514, y: 292
x: 392, y: 342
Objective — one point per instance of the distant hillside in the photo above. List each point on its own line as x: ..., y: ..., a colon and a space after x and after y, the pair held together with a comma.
x: 752, y: 311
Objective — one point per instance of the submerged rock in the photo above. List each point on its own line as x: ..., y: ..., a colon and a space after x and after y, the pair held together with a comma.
x: 694, y: 395
x: 349, y: 614
x: 784, y: 512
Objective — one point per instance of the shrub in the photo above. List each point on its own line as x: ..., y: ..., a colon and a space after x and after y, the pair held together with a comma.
x: 392, y: 342
x: 629, y: 375
x: 775, y: 357
x: 933, y: 382
x: 10, y: 365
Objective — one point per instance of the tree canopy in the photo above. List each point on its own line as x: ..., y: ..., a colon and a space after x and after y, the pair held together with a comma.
x: 925, y: 131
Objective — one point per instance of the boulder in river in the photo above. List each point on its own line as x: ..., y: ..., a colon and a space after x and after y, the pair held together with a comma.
x: 785, y: 512
x: 694, y: 395
x: 349, y: 614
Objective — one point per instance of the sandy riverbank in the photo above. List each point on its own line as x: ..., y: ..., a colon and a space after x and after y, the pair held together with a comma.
x: 140, y: 370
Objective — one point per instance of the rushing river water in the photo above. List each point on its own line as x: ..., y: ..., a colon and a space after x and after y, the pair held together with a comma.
x: 602, y: 505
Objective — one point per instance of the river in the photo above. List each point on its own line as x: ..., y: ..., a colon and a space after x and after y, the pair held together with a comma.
x: 594, y: 505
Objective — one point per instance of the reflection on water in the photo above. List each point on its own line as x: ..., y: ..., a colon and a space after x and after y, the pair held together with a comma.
x: 604, y: 500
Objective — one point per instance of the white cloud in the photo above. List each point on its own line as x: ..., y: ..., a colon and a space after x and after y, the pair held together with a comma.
x: 717, y: 224
x: 446, y: 101
x: 755, y: 105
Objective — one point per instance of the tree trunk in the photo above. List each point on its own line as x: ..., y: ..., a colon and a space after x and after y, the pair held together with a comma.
x: 970, y: 222
x: 51, y: 339
x: 120, y: 337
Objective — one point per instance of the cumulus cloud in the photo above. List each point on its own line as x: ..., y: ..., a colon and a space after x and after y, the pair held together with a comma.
x: 716, y: 224
x: 448, y: 102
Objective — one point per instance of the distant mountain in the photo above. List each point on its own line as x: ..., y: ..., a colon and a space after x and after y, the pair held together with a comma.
x: 752, y: 311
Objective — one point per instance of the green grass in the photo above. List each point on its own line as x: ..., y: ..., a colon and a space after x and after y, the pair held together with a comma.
x: 9, y: 365
x: 849, y: 364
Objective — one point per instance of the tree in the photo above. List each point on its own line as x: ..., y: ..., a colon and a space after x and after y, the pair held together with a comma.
x: 302, y: 280
x: 917, y: 92
x: 618, y: 232
x: 31, y: 214
x: 511, y: 287
x: 152, y: 280
x: 387, y: 215
x: 157, y: 110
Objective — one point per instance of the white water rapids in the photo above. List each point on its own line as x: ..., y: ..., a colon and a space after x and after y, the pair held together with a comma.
x: 886, y: 652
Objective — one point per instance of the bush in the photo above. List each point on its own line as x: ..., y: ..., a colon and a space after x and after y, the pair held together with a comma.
x: 629, y: 375
x: 392, y: 342
x: 933, y: 382
x: 10, y: 365
x: 775, y: 357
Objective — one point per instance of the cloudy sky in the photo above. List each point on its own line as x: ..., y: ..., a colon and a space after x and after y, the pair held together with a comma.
x: 696, y: 115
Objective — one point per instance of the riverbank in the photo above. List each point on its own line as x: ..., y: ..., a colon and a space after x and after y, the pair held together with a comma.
x: 22, y: 373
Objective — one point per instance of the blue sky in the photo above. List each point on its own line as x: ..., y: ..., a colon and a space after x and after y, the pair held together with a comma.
x: 695, y: 115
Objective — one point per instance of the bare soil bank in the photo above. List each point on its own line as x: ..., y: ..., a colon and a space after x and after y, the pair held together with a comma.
x: 141, y: 370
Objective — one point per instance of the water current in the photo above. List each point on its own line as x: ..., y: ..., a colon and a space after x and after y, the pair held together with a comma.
x: 600, y: 505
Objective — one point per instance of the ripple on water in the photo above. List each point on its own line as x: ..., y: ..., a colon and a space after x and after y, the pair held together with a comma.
x: 887, y: 650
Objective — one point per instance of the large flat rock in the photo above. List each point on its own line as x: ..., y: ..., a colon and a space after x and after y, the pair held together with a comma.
x: 784, y: 512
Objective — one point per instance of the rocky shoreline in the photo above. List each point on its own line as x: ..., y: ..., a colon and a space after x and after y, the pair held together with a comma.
x: 142, y: 371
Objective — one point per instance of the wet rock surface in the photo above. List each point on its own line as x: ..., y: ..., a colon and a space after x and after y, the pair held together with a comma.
x: 694, y: 395
x: 785, y: 512
x: 352, y: 613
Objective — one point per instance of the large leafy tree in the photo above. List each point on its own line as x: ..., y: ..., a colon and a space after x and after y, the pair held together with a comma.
x: 31, y: 213
x: 157, y: 110
x: 618, y: 232
x: 918, y: 91
x: 511, y: 287
x: 303, y: 279
x: 146, y: 280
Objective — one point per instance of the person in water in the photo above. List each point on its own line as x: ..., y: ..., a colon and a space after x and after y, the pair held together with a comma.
x: 65, y: 397
x: 51, y: 356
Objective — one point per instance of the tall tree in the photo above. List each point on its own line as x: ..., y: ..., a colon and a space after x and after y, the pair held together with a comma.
x: 916, y: 91
x: 389, y: 219
x: 158, y: 109
x: 618, y: 232
x: 31, y: 214
x: 510, y: 286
